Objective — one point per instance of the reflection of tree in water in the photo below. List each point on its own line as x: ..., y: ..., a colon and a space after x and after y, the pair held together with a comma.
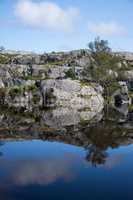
x: 102, y: 138
x: 97, y: 138
x: 1, y: 144
x: 96, y: 156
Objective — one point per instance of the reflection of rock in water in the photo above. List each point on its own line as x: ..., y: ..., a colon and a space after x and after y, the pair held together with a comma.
x: 59, y: 125
x: 73, y: 102
x: 61, y: 117
x: 56, y: 118
x: 69, y: 103
x: 95, y: 140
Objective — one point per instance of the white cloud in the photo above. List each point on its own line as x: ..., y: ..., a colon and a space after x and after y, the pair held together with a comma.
x: 107, y: 29
x: 46, y: 15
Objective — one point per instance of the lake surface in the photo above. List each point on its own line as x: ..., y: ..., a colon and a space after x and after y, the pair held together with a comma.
x: 84, y: 161
x: 100, y: 168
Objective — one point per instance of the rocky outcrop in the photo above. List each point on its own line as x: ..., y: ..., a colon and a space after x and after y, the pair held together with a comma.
x: 127, y: 56
x: 70, y: 102
x: 49, y: 81
x: 81, y: 57
x: 128, y: 75
x: 34, y: 86
x: 57, y: 64
x: 45, y: 78
x: 56, y: 87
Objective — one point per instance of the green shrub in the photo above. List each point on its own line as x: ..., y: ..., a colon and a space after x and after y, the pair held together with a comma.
x: 15, y: 91
x: 4, y: 59
x: 2, y: 95
x: 71, y: 73
x: 30, y: 88
x: 36, y: 98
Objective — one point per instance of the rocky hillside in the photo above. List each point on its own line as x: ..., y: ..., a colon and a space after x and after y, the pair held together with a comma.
x: 57, y: 81
x: 55, y: 65
x: 33, y: 83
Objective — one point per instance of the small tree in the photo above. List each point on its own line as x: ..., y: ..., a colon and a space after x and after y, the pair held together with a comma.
x: 103, y: 66
x: 2, y: 48
x: 99, y: 46
x: 103, y: 63
x: 103, y: 59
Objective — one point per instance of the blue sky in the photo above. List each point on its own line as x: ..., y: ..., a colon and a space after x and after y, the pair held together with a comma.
x: 54, y: 25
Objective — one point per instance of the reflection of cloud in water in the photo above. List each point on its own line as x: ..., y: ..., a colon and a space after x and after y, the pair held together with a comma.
x: 113, y: 161
x: 43, y: 172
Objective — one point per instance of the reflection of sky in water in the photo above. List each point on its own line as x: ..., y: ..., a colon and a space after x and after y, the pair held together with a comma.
x: 31, y: 168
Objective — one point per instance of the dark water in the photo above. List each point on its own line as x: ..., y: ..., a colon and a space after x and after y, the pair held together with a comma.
x: 37, y: 169
x: 79, y: 162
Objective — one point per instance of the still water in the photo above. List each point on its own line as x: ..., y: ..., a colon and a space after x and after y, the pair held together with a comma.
x: 79, y: 162
x: 38, y: 169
